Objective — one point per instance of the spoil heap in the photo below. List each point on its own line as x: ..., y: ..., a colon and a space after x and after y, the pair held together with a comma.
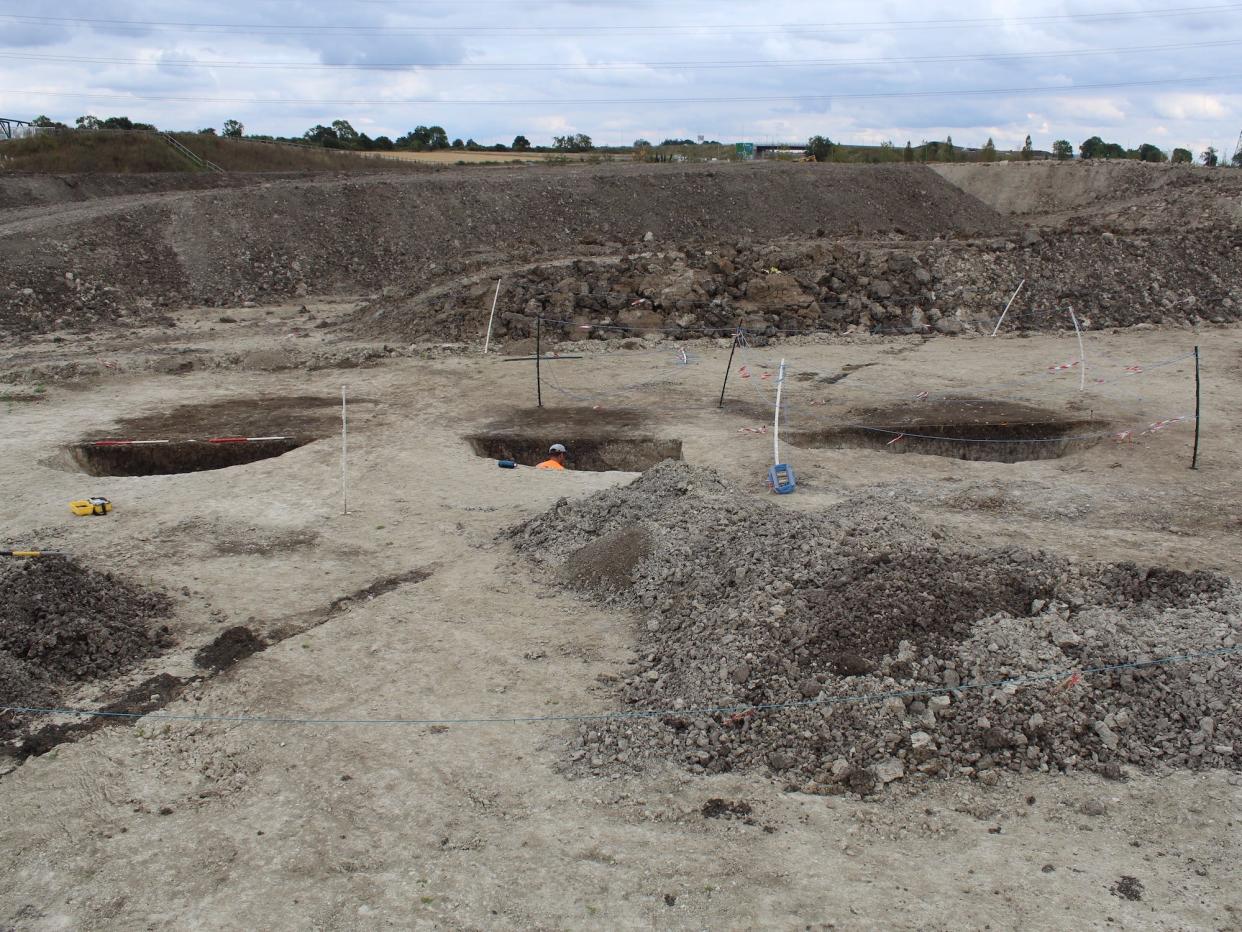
x: 62, y: 624
x: 944, y: 287
x: 747, y: 604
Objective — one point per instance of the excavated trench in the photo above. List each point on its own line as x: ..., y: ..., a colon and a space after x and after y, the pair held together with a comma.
x: 962, y: 428
x: 175, y: 456
x: 211, y: 435
x: 592, y: 454
x: 597, y: 440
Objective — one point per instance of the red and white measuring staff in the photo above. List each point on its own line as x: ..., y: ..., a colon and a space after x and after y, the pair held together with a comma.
x: 127, y: 443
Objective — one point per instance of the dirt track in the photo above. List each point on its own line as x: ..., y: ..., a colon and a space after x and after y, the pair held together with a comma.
x: 213, y: 824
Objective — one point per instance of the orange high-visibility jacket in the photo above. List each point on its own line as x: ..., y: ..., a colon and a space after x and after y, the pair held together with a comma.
x: 549, y: 464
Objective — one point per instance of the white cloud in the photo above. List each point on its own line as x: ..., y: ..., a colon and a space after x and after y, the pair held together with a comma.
x: 700, y: 31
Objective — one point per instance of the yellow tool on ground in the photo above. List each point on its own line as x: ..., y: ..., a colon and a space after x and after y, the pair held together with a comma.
x: 91, y: 506
x: 32, y: 553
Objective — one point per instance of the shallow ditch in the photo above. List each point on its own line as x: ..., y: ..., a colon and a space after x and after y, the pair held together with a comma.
x: 591, y: 454
x: 962, y: 428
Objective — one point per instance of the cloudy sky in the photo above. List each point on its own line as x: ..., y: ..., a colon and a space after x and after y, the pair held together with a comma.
x: 1156, y: 71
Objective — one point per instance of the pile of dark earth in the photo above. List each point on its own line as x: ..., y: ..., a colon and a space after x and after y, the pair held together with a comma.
x: 942, y: 287
x: 743, y: 603
x: 62, y: 624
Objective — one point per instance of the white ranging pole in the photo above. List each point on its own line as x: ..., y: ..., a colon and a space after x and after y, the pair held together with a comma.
x: 344, y: 455
x: 1007, y: 306
x: 1082, y: 354
x: 488, y: 341
x: 776, y: 422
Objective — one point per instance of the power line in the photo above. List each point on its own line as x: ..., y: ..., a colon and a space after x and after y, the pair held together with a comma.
x: 604, y: 101
x: 287, y: 29
x: 615, y: 66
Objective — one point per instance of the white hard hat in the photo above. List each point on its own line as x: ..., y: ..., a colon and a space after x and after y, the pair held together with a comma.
x: 557, y: 448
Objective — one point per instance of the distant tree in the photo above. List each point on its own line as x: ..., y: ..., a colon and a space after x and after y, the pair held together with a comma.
x: 678, y: 142
x: 207, y: 131
x: 642, y: 144
x: 472, y: 145
x: 458, y: 144
x: 579, y: 142
x: 1210, y: 157
x: 424, y: 137
x: 233, y: 129
x: 499, y: 147
x: 1028, y: 150
x: 908, y: 153
x: 1236, y: 158
x: 1150, y: 153
x: 383, y: 144
x: 322, y: 135
x: 1182, y: 157
x: 988, y: 152
x: 345, y: 133
x: 365, y: 142
x: 520, y: 143
x: 947, y: 152
x: 1062, y: 149
x: 88, y: 122
x: 820, y: 148
x: 1091, y: 148
x: 121, y: 122
x: 45, y: 121
x: 1097, y: 148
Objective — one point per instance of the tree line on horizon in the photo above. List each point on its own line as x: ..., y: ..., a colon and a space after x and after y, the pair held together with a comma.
x: 823, y: 149
x: 340, y: 134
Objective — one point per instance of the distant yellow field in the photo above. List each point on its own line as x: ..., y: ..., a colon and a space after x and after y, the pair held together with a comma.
x: 466, y: 155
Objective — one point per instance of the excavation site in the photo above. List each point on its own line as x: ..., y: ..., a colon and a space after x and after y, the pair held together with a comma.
x: 616, y: 544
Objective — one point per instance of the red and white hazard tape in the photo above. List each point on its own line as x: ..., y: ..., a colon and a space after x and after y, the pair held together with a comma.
x: 753, y: 430
x: 1161, y: 425
x: 1063, y: 366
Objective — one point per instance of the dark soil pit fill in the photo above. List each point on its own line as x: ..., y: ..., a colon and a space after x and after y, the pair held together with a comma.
x: 592, y: 454
x: 963, y: 428
x: 175, y: 456
x: 236, y: 643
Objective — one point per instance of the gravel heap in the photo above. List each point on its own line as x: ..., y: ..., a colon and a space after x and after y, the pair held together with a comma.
x: 940, y: 287
x: 744, y: 603
x: 61, y: 623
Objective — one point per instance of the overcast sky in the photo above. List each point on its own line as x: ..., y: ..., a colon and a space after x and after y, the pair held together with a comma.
x: 722, y: 69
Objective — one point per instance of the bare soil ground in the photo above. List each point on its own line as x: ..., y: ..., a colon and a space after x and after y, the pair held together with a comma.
x: 413, y: 607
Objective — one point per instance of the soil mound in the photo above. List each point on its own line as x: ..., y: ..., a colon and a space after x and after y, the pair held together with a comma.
x: 61, y: 623
x: 871, y: 633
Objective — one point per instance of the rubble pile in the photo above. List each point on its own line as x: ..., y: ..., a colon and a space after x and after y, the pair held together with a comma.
x: 944, y: 287
x: 873, y: 633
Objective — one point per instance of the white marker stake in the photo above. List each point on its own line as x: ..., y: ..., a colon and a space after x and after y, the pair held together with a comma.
x: 344, y: 455
x: 1006, y: 310
x: 1082, y: 353
x: 488, y: 342
x: 776, y: 422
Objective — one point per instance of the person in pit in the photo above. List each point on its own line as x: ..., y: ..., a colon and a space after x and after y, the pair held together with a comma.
x: 556, y: 457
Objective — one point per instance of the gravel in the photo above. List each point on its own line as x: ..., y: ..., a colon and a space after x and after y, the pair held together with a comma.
x: 741, y: 603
